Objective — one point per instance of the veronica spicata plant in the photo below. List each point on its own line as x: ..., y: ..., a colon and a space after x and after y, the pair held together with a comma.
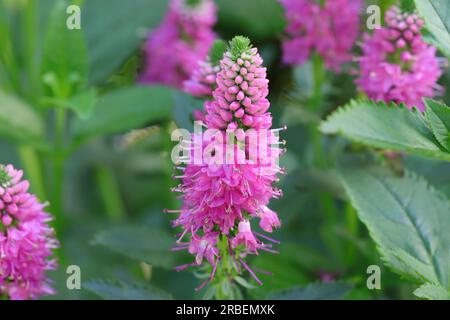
x: 26, y: 240
x: 397, y: 65
x: 220, y: 200
x: 330, y: 30
x: 183, y: 39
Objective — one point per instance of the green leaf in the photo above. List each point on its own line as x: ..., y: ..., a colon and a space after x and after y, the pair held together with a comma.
x: 64, y: 61
x: 407, y: 5
x: 216, y: 52
x: 436, y: 13
x: 83, y: 104
x: 385, y: 126
x: 126, y: 109
x: 438, y: 117
x: 144, y: 244
x: 256, y: 21
x: 184, y: 107
x: 119, y: 290
x: 432, y: 292
x: 115, y: 30
x: 316, y: 291
x: 408, y: 219
x: 19, y: 122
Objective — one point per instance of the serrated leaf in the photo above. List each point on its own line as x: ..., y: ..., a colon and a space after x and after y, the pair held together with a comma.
x: 64, y: 58
x: 19, y: 122
x: 408, y: 219
x: 119, y: 290
x: 145, y: 244
x: 126, y: 109
x: 436, y: 13
x: 432, y: 292
x: 316, y: 291
x: 385, y: 126
x: 438, y: 117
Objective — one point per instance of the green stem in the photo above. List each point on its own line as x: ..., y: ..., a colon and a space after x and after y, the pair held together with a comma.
x: 32, y: 165
x: 319, y: 79
x: 30, y: 27
x: 316, y: 102
x: 58, y: 167
x: 352, y: 224
x: 110, y: 193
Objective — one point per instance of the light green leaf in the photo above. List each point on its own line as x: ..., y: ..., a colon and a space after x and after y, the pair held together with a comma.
x: 316, y: 291
x: 119, y: 290
x: 126, y: 109
x: 408, y: 219
x: 432, y: 292
x: 83, y: 104
x: 385, y: 126
x: 436, y: 15
x: 438, y: 117
x: 144, y: 244
x: 115, y: 30
x: 19, y: 122
x: 64, y: 61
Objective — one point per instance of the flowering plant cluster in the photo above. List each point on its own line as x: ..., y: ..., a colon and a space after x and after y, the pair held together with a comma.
x: 26, y: 240
x: 330, y: 30
x: 180, y: 42
x: 397, y: 64
x: 220, y: 199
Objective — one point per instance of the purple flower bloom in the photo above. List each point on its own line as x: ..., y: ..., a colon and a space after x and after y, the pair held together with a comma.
x: 183, y: 39
x: 330, y: 30
x: 26, y: 240
x: 397, y: 65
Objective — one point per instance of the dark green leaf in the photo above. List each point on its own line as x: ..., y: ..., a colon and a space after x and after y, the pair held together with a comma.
x: 119, y: 290
x: 149, y: 245
x: 216, y: 52
x: 126, y: 109
x: 64, y: 61
x: 316, y: 291
x: 408, y: 219
x: 114, y: 30
x: 438, y: 117
x: 252, y: 19
x: 388, y: 127
x: 436, y: 15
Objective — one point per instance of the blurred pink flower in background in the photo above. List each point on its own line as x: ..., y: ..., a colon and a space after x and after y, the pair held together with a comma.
x: 174, y: 49
x: 397, y: 65
x: 203, y: 80
x: 330, y: 30
x: 26, y: 240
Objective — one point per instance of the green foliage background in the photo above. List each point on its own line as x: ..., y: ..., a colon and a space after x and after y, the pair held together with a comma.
x: 70, y: 105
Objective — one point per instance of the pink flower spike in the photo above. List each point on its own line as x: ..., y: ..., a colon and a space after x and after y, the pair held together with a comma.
x: 26, y: 240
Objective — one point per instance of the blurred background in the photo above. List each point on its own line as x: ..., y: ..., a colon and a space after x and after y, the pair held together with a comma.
x: 108, y: 182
